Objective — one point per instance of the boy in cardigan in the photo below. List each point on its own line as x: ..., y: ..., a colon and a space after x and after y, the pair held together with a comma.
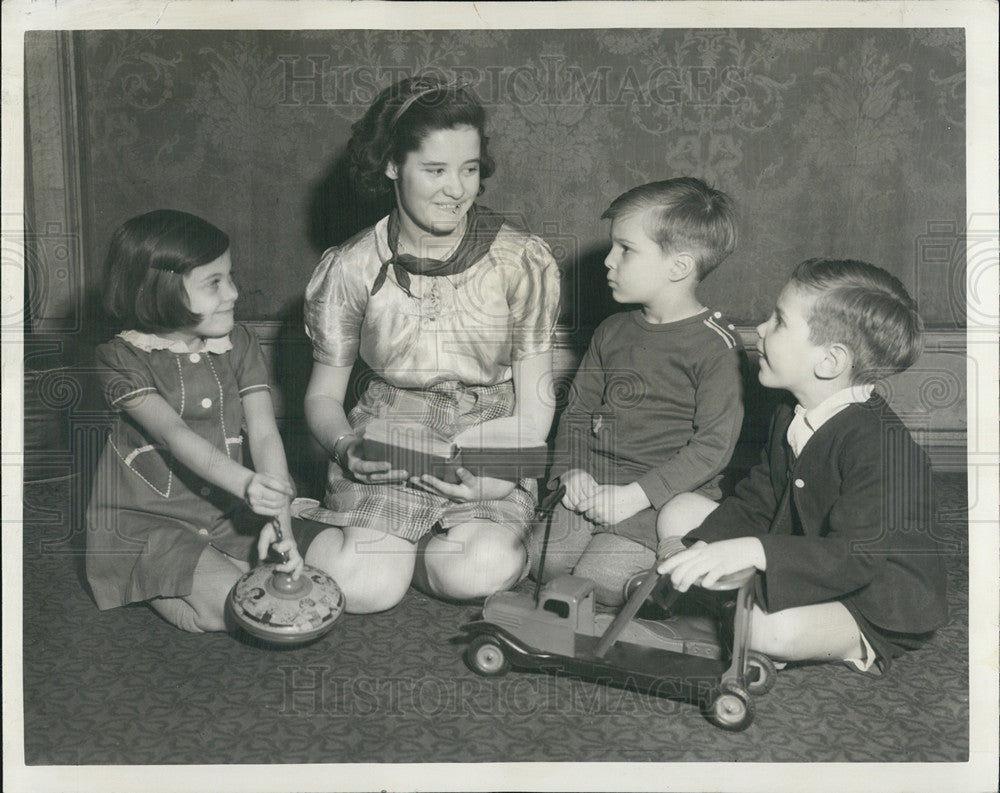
x: 837, y: 514
x: 656, y: 405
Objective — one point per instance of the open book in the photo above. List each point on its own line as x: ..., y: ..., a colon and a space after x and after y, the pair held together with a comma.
x: 502, y: 449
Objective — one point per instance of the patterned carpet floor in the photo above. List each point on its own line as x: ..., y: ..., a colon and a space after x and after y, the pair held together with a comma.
x: 123, y: 687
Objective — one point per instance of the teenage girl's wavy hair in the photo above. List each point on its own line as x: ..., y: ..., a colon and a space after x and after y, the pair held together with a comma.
x: 399, y: 120
x: 684, y: 212
x: 864, y: 308
x: 147, y: 260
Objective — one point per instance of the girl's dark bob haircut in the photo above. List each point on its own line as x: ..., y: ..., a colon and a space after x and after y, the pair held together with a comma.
x: 399, y: 120
x: 148, y: 257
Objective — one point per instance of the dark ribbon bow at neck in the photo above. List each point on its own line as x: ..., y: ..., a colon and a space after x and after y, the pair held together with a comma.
x: 482, y: 227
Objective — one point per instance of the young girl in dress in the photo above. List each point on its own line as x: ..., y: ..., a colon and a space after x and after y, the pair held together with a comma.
x: 452, y: 307
x: 174, y: 510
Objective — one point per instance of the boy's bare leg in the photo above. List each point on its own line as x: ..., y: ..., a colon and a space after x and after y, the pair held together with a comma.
x: 820, y: 632
x: 677, y: 517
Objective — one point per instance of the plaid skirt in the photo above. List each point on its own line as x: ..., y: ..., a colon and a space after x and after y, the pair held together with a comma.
x: 405, y: 511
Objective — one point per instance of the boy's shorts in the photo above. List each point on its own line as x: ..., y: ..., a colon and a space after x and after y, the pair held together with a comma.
x: 640, y: 528
x: 886, y: 644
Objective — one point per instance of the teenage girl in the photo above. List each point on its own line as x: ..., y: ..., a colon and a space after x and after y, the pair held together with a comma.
x: 174, y: 510
x: 452, y: 307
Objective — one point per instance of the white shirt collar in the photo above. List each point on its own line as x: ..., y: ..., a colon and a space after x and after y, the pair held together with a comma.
x: 147, y: 342
x: 807, y: 422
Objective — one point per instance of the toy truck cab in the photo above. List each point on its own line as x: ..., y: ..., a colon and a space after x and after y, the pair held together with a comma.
x: 565, y: 608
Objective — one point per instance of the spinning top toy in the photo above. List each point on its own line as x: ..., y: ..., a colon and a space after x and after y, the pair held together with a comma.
x: 275, y: 607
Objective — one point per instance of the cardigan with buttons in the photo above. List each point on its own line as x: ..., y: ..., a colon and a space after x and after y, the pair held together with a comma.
x: 851, y: 518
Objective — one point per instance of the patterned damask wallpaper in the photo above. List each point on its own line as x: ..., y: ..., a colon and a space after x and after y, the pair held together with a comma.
x: 832, y: 142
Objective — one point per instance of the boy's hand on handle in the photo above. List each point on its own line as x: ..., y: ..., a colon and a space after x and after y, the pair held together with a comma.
x: 269, y: 537
x: 579, y: 485
x: 703, y: 564
x: 611, y: 504
x: 268, y: 495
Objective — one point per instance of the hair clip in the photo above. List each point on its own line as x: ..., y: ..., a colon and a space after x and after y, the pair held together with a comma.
x: 429, y: 88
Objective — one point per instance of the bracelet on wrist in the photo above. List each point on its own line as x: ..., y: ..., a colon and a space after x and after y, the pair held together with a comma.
x: 339, y: 456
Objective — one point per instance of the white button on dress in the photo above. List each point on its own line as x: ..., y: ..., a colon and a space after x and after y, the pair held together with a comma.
x: 206, y: 403
x: 194, y: 357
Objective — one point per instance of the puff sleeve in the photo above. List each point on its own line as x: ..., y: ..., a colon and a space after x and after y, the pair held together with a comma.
x: 534, y: 301
x: 336, y: 298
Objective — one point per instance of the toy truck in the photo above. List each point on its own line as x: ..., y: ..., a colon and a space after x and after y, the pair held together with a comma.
x: 689, y: 658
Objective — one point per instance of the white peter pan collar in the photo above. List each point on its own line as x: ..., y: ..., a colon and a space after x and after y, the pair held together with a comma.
x: 147, y: 342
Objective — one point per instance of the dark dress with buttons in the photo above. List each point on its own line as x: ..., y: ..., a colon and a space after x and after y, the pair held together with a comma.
x: 150, y: 518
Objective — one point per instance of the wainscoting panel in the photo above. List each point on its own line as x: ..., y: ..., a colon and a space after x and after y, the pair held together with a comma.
x: 931, y: 397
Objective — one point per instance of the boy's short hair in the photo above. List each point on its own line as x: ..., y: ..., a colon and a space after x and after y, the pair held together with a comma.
x: 865, y: 308
x: 683, y: 212
x: 148, y: 257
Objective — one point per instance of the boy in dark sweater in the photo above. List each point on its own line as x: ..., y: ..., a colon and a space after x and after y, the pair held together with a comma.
x: 656, y: 405
x: 838, y: 513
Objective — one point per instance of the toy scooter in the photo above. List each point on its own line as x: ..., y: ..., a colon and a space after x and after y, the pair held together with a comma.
x: 699, y: 658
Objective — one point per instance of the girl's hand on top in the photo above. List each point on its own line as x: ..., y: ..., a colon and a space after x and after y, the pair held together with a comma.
x: 369, y: 472
x: 286, y: 545
x: 579, y: 486
x: 469, y: 488
x: 267, y: 494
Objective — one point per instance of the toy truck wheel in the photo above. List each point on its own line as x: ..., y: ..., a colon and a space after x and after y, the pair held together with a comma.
x: 732, y: 709
x: 485, y: 657
x: 761, y: 673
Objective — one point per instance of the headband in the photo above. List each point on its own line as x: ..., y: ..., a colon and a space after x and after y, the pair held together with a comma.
x: 429, y: 88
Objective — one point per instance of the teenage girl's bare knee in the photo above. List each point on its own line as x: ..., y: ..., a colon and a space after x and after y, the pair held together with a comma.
x: 372, y: 569
x: 473, y: 560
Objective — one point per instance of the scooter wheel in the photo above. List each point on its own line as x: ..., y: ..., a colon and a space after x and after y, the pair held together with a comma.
x: 485, y: 657
x: 761, y: 673
x: 732, y: 708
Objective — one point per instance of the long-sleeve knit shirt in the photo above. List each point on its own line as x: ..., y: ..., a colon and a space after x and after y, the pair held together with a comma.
x: 657, y: 404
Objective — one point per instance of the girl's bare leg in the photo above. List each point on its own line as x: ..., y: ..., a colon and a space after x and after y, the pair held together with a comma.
x: 204, y: 609
x: 371, y: 567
